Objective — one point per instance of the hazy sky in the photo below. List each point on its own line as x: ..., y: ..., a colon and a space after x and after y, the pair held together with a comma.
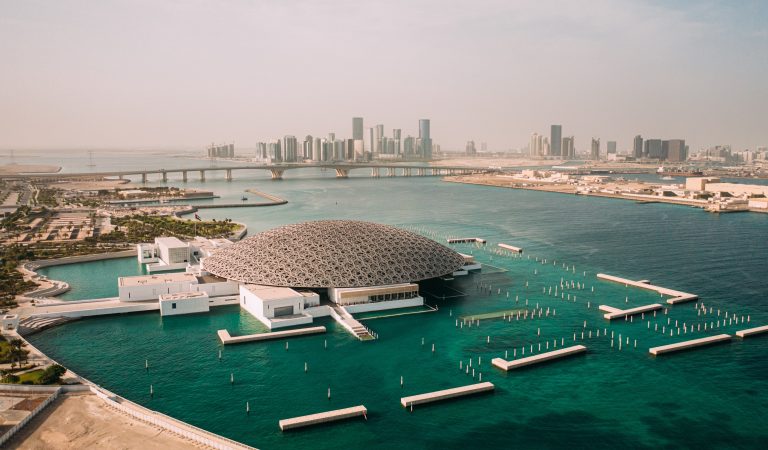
x: 167, y: 73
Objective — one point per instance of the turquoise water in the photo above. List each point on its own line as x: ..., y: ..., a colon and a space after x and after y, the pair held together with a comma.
x: 95, y: 279
x: 710, y: 398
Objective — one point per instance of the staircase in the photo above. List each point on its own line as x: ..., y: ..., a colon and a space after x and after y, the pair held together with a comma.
x: 31, y: 325
x: 351, y: 324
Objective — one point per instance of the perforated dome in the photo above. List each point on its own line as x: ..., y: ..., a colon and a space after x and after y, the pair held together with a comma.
x: 333, y: 253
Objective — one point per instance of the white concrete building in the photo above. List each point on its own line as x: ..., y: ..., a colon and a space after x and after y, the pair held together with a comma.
x: 183, y: 303
x: 151, y: 287
x: 276, y: 307
x: 170, y: 253
x: 376, y: 298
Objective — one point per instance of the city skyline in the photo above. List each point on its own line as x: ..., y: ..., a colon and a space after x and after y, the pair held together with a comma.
x: 164, y: 83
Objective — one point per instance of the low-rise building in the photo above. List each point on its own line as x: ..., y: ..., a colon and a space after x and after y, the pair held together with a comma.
x: 183, y: 303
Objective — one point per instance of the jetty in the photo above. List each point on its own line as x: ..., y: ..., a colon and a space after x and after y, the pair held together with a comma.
x: 677, y: 296
x: 446, y: 394
x: 226, y: 338
x: 536, y: 359
x: 511, y: 248
x: 752, y: 331
x: 466, y: 240
x: 616, y: 313
x: 685, y: 345
x: 323, y: 417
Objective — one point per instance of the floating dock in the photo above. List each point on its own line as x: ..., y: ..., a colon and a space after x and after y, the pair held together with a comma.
x: 615, y: 313
x: 536, y: 359
x: 446, y: 394
x: 323, y: 417
x: 685, y: 345
x: 226, y: 338
x: 511, y: 248
x: 466, y: 240
x: 752, y: 331
x: 677, y: 296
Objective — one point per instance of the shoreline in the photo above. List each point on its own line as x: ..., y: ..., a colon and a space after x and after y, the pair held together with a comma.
x: 637, y: 199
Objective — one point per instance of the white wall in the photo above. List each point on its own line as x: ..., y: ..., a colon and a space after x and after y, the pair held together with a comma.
x: 184, y: 306
x: 381, y: 306
x: 135, y: 293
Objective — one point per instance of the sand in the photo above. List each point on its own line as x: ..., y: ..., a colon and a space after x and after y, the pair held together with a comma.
x: 78, y: 421
x: 12, y: 169
x: 92, y: 185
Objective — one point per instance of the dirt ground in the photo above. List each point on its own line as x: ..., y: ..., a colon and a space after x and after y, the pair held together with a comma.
x: 28, y: 168
x: 82, y: 421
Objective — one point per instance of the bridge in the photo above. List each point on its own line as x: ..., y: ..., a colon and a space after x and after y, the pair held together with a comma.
x: 276, y: 170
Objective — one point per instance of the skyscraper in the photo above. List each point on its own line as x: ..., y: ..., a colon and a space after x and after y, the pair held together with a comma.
x: 379, y: 133
x: 555, y: 140
x: 289, y: 148
x: 396, y: 134
x: 357, y: 128
x: 568, y: 149
x: 470, y: 148
x: 611, y: 147
x: 426, y: 139
x: 652, y: 148
x: 676, y: 150
x: 595, y: 153
x: 637, y: 148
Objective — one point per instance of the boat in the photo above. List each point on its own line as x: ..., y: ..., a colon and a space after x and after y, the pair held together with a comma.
x: 667, y: 178
x: 244, y: 198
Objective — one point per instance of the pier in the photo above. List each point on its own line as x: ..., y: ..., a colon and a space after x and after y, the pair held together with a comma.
x: 470, y: 240
x: 511, y: 248
x: 615, y: 313
x: 446, y: 394
x: 685, y: 345
x: 536, y: 359
x: 323, y: 417
x: 677, y: 296
x: 226, y: 338
x: 752, y: 331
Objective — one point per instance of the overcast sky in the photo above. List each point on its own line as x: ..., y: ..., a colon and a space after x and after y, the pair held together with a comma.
x: 173, y: 73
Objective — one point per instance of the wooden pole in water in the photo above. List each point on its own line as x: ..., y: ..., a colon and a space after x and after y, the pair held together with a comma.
x: 151, y: 391
x: 248, y: 408
x: 231, y: 378
x: 146, y: 365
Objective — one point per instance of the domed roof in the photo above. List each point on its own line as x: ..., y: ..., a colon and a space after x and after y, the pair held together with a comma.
x: 333, y: 253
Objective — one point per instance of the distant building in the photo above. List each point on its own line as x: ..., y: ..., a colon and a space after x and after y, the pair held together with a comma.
x: 378, y: 135
x: 652, y: 149
x: 357, y: 128
x: 611, y: 147
x: 221, y: 151
x: 409, y: 146
x: 290, y: 148
x: 595, y: 152
x: 637, y: 148
x: 426, y: 139
x: 470, y: 148
x: 275, y: 152
x: 556, y: 137
x: 568, y: 149
x: 261, y: 150
x: 676, y: 150
x: 483, y: 147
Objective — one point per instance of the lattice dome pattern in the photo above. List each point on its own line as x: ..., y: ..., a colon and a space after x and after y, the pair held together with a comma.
x: 333, y: 253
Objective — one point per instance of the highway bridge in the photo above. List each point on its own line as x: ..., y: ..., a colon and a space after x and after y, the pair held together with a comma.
x: 277, y: 171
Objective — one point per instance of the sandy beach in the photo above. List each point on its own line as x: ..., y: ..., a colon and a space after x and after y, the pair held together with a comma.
x: 77, y: 421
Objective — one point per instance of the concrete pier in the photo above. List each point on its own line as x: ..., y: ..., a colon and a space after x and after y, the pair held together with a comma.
x: 511, y: 248
x: 226, y: 338
x: 677, y: 296
x: 323, y: 417
x: 446, y: 394
x: 466, y: 240
x: 752, y: 331
x: 536, y: 359
x: 685, y: 345
x: 615, y: 313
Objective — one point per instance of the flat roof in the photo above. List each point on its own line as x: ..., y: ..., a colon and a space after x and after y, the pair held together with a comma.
x: 148, y: 280
x: 183, y: 296
x: 271, y: 292
x: 170, y: 241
